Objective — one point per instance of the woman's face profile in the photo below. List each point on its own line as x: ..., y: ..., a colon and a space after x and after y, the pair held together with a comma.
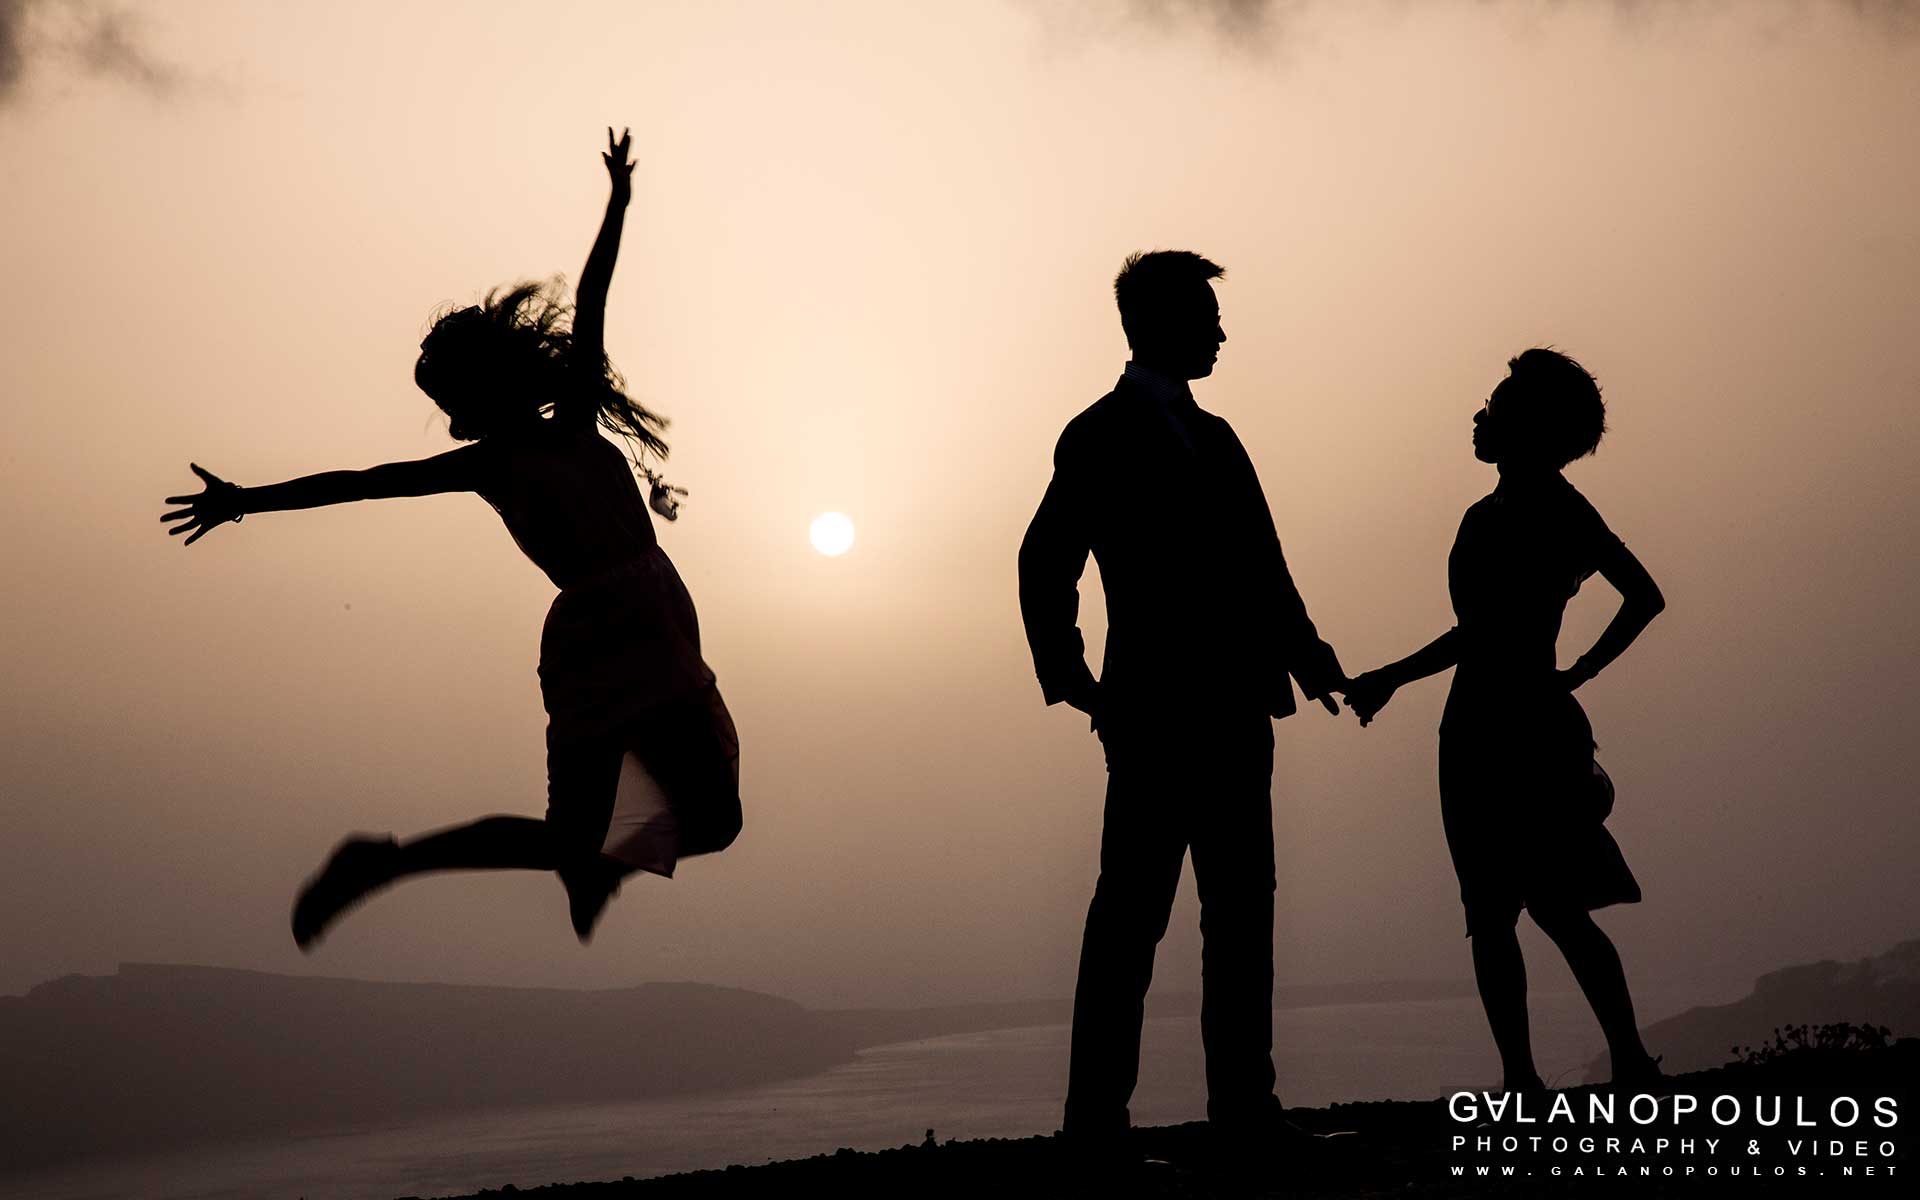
x: 1487, y: 429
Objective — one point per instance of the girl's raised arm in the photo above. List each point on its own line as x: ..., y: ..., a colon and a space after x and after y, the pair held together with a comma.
x: 221, y: 501
x: 590, y: 297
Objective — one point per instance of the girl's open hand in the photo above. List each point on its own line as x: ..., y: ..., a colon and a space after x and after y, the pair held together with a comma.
x: 217, y: 505
x: 619, y: 166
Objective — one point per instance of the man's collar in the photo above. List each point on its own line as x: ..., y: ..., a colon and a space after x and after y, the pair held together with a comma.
x: 1161, y: 387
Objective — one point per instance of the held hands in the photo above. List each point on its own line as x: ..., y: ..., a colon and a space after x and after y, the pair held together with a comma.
x: 619, y: 166
x: 217, y: 505
x: 1368, y: 694
x: 1573, y: 677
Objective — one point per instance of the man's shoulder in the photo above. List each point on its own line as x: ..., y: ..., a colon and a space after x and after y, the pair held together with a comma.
x: 1102, y: 412
x: 1094, y: 426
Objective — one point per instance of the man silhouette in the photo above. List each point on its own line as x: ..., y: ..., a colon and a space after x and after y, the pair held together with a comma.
x: 1204, y: 627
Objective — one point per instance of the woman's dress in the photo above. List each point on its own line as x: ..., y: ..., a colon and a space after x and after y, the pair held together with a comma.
x: 642, y: 756
x: 1517, y: 787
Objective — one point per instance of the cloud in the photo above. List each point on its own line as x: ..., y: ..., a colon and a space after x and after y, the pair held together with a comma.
x: 111, y: 47
x: 1230, y: 18
x: 13, y: 14
x: 1255, y: 23
x: 82, y: 38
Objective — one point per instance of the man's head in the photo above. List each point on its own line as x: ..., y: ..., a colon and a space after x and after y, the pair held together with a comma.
x: 1169, y: 311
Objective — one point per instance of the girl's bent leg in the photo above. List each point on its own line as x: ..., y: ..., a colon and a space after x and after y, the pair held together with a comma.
x: 694, y: 752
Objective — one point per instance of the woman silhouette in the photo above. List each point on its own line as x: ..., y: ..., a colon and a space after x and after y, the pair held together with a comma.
x: 1520, y: 795
x: 642, y: 758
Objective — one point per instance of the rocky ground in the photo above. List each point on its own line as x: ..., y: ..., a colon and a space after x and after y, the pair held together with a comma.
x: 1819, y: 1145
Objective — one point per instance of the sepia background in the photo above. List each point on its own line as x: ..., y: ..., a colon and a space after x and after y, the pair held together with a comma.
x: 867, y: 269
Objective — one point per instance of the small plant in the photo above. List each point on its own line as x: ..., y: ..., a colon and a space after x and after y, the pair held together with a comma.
x: 1839, y: 1037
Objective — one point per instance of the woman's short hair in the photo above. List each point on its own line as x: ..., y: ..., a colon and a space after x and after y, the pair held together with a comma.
x: 1556, y: 402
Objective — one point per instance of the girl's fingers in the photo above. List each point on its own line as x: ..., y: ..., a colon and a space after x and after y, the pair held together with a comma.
x: 176, y: 514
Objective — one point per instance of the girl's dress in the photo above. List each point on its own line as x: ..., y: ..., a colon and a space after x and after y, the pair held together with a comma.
x: 643, y: 762
x: 1517, y: 787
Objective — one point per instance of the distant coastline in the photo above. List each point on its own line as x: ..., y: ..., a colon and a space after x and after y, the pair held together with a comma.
x: 164, y: 1057
x: 160, y: 1056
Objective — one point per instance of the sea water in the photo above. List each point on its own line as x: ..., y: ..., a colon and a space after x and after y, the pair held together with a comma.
x: 1000, y: 1083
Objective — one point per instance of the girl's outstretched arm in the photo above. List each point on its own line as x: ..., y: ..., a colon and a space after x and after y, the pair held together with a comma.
x: 1371, y: 690
x: 220, y: 502
x: 590, y: 297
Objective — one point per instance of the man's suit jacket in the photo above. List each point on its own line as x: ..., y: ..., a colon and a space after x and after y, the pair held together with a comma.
x: 1202, y: 614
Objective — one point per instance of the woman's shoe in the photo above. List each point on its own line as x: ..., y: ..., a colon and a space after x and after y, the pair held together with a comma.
x: 588, y: 890
x: 1641, y: 1077
x: 358, y: 867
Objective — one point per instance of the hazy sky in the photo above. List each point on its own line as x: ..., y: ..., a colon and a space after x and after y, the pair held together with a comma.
x: 868, y: 268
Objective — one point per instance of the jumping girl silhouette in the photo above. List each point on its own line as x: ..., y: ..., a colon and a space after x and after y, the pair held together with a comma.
x: 1521, y: 798
x: 642, y: 757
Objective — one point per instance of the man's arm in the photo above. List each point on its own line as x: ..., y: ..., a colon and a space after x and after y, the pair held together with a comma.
x: 1310, y: 660
x: 1053, y: 556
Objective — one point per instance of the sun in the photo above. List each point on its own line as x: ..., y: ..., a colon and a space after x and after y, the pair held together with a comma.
x: 831, y: 534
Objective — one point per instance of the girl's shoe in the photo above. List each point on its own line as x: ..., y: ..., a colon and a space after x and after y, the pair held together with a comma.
x: 588, y: 890
x: 1641, y: 1077
x: 358, y: 867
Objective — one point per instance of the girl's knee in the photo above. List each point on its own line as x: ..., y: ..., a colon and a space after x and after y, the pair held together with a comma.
x: 1562, y: 922
x: 713, y: 832
x: 728, y: 832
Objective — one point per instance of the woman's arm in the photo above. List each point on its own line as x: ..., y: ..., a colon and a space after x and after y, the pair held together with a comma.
x: 1640, y: 603
x: 220, y: 502
x: 596, y: 278
x: 1371, y: 690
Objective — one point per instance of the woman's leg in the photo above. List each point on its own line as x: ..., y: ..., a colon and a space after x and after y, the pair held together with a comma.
x: 1476, y: 810
x: 489, y: 844
x: 1501, y: 974
x: 583, y: 781
x: 1596, y: 966
x: 361, y: 866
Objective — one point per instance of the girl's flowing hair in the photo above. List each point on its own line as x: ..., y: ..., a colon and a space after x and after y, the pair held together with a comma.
x: 511, y: 358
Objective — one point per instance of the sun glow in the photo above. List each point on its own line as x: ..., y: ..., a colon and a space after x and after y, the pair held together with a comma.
x: 831, y: 534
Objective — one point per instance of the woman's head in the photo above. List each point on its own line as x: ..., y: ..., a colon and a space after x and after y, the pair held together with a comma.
x: 1546, y: 412
x: 506, y: 361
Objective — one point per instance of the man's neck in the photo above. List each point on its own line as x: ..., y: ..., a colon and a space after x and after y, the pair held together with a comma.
x: 1158, y: 381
